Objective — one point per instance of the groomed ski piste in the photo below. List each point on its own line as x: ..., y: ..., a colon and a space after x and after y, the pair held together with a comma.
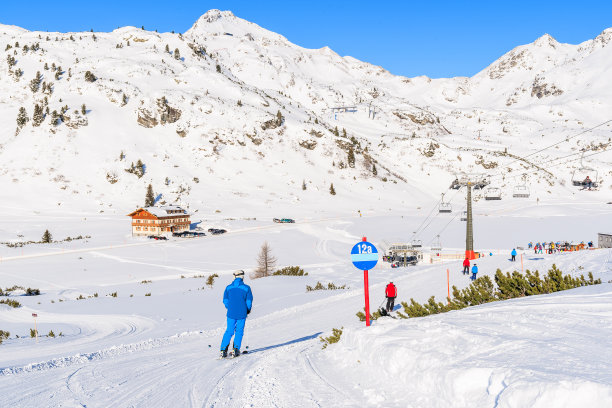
x: 162, y: 350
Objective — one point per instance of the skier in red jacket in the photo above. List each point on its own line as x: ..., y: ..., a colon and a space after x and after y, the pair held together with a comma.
x: 466, y: 266
x: 391, y: 294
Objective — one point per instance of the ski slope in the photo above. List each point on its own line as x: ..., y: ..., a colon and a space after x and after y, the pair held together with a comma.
x: 161, y: 350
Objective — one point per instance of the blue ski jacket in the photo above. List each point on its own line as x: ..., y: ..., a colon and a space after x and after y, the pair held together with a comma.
x: 513, y: 252
x: 474, y: 269
x: 237, y: 299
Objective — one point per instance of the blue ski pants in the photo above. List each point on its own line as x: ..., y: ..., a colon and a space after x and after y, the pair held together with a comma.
x: 233, y: 325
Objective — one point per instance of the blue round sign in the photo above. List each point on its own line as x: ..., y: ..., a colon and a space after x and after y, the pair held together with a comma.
x: 364, y: 256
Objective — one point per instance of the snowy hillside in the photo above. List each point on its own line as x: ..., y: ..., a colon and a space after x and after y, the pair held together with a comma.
x: 229, y: 116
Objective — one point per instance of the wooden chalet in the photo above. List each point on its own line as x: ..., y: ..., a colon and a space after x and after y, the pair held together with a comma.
x: 159, y: 220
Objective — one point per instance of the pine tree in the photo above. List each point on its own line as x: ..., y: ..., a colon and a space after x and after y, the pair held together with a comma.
x: 343, y: 132
x: 167, y: 49
x: 22, y: 117
x: 55, y: 118
x: 46, y: 67
x: 332, y: 190
x: 303, y: 184
x: 150, y: 197
x: 279, y: 118
x: 47, y: 237
x: 35, y: 83
x: 374, y: 171
x: 266, y: 262
x: 37, y: 117
x: 351, y: 158
x: 218, y: 68
x: 177, y: 54
x: 83, y: 109
x: 336, y: 133
x: 140, y: 168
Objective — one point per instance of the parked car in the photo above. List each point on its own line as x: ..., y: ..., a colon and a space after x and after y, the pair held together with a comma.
x: 283, y: 220
x: 216, y: 231
x: 161, y: 238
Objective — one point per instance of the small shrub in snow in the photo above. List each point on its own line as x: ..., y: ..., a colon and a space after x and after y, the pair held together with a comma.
x: 146, y: 281
x: 332, y: 190
x: 148, y: 294
x: 33, y: 333
x: 32, y: 292
x: 291, y: 271
x: 320, y: 286
x: 114, y: 294
x: 4, y: 335
x: 373, y: 316
x: 10, y: 302
x: 96, y: 294
x: 51, y: 334
x: 210, y: 281
x: 81, y: 297
x: 334, y: 338
x: 90, y: 77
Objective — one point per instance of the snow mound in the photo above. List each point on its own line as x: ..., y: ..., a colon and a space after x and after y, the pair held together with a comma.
x: 541, y: 351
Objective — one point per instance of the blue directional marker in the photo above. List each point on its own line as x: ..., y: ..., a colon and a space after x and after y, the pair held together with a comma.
x: 364, y: 256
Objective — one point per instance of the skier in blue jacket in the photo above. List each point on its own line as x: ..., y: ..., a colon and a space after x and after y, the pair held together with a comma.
x: 474, y: 272
x: 238, y: 301
x: 513, y: 253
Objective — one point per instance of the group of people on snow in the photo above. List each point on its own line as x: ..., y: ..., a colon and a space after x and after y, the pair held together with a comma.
x: 553, y: 247
x: 466, y: 268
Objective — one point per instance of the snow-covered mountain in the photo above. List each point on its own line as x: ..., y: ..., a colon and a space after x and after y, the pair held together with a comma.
x: 229, y: 115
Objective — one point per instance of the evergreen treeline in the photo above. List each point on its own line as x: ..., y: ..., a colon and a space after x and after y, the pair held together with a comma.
x: 506, y: 286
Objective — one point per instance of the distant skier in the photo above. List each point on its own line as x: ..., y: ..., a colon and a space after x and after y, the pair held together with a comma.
x: 474, y: 272
x: 466, y: 266
x: 513, y: 253
x: 391, y: 294
x: 238, y: 301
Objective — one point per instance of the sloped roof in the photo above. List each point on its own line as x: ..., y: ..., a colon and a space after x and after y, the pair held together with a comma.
x: 162, y: 211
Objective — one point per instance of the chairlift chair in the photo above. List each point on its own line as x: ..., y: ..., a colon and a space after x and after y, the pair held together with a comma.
x: 580, y: 174
x: 464, y: 216
x: 520, y: 191
x: 444, y: 207
x: 416, y: 243
x: 493, y: 193
x: 437, y: 246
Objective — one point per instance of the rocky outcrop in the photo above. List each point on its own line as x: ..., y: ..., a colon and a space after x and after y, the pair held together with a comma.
x: 162, y: 113
x: 541, y: 89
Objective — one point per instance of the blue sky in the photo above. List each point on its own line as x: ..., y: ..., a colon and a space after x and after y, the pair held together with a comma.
x: 433, y: 38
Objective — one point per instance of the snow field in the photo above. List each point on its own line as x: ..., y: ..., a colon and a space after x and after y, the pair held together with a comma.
x: 154, y: 350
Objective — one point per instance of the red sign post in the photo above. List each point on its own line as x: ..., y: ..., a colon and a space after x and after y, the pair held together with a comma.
x: 366, y: 290
x: 364, y: 256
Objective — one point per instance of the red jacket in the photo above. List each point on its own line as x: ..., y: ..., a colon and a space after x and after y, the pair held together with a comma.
x: 466, y: 262
x: 391, y: 291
